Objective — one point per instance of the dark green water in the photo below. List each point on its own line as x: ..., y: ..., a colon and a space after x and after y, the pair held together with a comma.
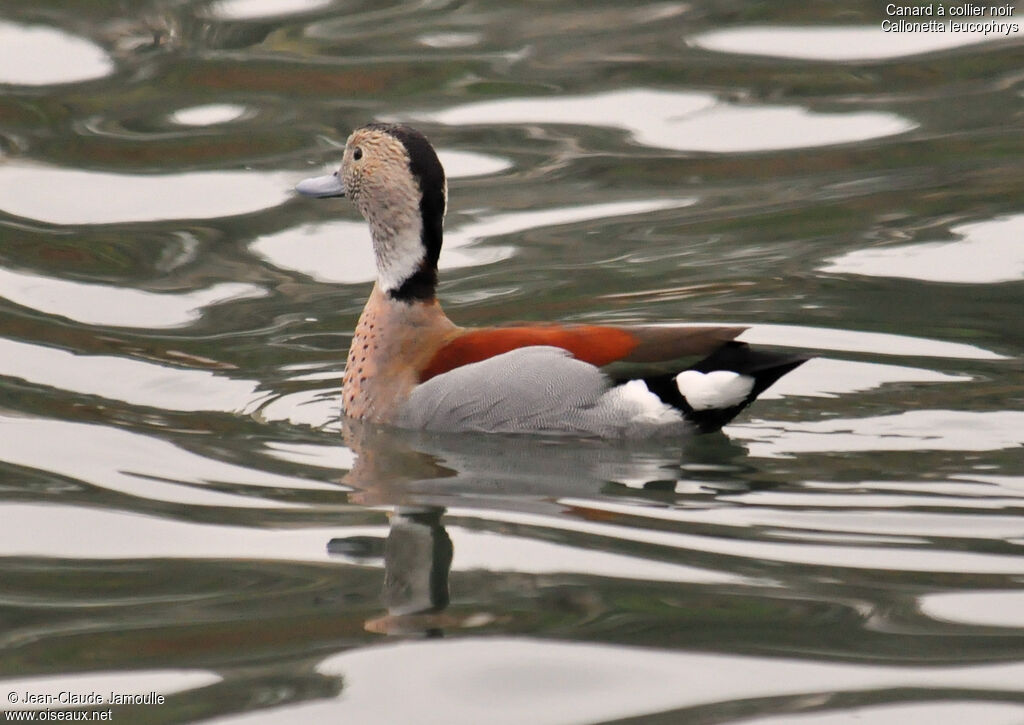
x: 180, y: 516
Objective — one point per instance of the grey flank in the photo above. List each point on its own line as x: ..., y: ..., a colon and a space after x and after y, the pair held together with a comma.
x: 537, y: 389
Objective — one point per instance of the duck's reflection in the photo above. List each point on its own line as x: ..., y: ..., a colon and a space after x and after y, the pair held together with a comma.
x: 419, y: 476
x: 417, y: 559
x: 531, y: 473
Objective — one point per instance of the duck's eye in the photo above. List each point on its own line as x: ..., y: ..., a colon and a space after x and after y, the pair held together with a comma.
x: 357, y: 154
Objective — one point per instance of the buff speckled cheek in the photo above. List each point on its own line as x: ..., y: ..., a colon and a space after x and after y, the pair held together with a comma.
x: 380, y: 172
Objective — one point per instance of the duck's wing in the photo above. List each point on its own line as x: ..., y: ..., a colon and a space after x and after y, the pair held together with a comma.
x: 536, y: 389
x: 600, y: 345
x: 573, y: 379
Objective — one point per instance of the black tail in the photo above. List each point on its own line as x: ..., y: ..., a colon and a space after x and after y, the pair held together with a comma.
x: 764, y: 367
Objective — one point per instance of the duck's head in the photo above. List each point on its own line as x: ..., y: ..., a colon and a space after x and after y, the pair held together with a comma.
x: 393, y: 175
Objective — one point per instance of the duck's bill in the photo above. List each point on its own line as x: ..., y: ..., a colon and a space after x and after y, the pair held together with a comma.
x: 321, y: 187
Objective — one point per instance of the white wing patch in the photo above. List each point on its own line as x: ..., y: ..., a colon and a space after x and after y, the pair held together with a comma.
x: 715, y: 390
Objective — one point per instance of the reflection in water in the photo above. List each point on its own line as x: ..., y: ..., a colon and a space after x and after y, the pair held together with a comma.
x: 822, y: 377
x: 208, y: 115
x: 95, y: 197
x: 38, y: 55
x: 914, y: 430
x: 526, y: 473
x: 988, y: 252
x: 146, y: 466
x: 825, y: 43
x: 417, y: 561
x: 985, y: 608
x: 135, y: 382
x: 418, y: 551
x: 406, y: 470
x: 117, y: 306
x: 878, y: 343
x: 516, y: 680
x: 684, y: 121
x: 252, y: 9
x: 449, y: 40
x: 925, y: 713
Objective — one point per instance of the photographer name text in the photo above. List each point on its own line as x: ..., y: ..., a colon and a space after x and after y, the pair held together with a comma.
x: 73, y: 699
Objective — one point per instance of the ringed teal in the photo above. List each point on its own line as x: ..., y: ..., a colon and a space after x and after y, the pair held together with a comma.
x: 411, y: 367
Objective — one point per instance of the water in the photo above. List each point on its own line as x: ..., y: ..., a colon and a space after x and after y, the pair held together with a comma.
x: 181, y: 515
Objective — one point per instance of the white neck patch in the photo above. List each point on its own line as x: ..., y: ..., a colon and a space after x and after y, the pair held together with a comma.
x: 396, y: 228
x: 398, y: 257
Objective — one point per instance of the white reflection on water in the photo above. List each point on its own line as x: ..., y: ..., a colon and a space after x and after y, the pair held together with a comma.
x: 1012, y: 483
x: 875, y: 495
x: 907, y: 713
x: 449, y: 40
x: 138, y: 682
x: 475, y: 551
x: 251, y: 9
x: 684, y: 121
x: 339, y: 252
x: 887, y: 558
x: 335, y: 457
x: 133, y: 463
x: 95, y: 533
x: 61, y: 195
x: 500, y: 680
x: 913, y: 430
x: 850, y: 43
x: 980, y: 608
x: 342, y: 251
x: 135, y: 382
x: 319, y: 409
x: 988, y: 252
x: 462, y: 164
x: 101, y: 304
x: 880, y: 343
x: 208, y: 115
x: 826, y: 378
x: 89, y: 533
x: 852, y: 514
x: 37, y: 55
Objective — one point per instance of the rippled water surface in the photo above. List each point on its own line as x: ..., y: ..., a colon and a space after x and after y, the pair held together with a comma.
x: 179, y: 513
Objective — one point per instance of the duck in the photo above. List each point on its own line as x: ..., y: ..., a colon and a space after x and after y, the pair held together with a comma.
x: 410, y: 366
